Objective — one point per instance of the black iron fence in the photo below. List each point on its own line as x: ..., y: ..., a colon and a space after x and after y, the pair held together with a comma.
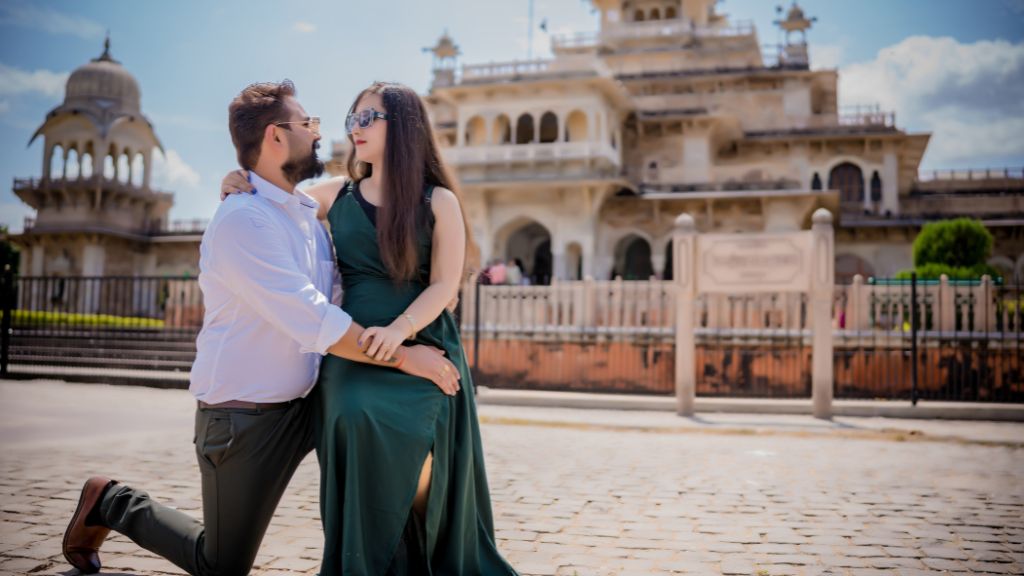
x: 611, y: 336
x: 99, y: 326
x: 935, y: 340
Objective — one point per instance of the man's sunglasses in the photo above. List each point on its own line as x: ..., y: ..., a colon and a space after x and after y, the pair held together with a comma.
x: 364, y: 118
x: 311, y: 123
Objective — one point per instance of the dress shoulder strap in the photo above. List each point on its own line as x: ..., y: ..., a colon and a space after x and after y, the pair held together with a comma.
x: 346, y: 188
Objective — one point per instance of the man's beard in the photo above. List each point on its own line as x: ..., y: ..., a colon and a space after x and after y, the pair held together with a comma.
x: 298, y: 169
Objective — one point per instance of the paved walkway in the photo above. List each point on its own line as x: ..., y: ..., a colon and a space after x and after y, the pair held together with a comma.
x: 586, y: 492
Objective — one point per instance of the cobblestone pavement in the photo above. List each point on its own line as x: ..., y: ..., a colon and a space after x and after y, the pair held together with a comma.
x: 568, y: 498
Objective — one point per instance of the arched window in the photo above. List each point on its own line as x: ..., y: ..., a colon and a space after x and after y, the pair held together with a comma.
x: 123, y: 168
x: 655, y: 14
x: 670, y: 13
x: 476, y: 131
x: 524, y: 129
x: 633, y: 259
x: 849, y: 180
x: 108, y: 167
x: 548, y: 127
x: 816, y: 182
x: 72, y: 170
x: 528, y: 243
x: 57, y: 163
x: 502, y: 133
x: 85, y: 166
x: 638, y: 16
x: 138, y: 170
x: 876, y: 187
x: 576, y: 127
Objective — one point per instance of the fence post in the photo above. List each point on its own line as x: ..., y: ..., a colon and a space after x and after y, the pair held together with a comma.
x: 983, y: 309
x: 947, y: 306
x: 7, y: 305
x: 857, y: 305
x: 822, y: 288
x: 913, y: 338
x: 476, y: 324
x: 684, y: 249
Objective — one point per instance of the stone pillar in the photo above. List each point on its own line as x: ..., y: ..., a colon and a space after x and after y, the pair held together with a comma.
x: 858, y: 307
x: 460, y: 133
x: 684, y: 250
x: 890, y: 183
x: 983, y: 309
x: 93, y: 260
x: 947, y: 305
x: 38, y: 260
x: 33, y: 265
x: 558, y: 271
x: 821, y: 291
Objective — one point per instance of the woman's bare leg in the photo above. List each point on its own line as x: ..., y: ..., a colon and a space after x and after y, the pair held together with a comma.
x: 419, y: 503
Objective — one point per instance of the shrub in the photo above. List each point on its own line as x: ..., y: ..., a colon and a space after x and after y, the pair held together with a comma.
x: 959, y: 243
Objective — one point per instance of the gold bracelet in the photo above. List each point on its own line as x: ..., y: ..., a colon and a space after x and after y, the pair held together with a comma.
x: 411, y: 323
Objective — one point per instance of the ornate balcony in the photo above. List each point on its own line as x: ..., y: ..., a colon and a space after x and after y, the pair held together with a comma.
x: 619, y: 32
x: 562, y: 67
x: 531, y: 153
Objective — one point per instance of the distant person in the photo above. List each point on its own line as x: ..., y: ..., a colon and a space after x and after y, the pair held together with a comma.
x: 513, y: 274
x: 498, y: 273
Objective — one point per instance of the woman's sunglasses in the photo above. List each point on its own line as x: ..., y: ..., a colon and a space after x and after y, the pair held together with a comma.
x: 364, y: 118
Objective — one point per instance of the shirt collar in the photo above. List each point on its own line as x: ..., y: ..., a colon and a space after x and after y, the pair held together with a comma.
x: 275, y: 193
x: 268, y: 190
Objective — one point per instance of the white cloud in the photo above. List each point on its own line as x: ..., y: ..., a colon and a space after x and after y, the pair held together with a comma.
x: 970, y: 96
x: 17, y: 81
x: 170, y: 171
x: 304, y: 27
x: 25, y: 15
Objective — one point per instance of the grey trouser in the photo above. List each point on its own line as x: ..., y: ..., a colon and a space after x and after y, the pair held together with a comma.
x: 246, y: 458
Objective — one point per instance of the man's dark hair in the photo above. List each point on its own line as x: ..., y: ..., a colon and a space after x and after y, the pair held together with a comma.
x: 249, y: 114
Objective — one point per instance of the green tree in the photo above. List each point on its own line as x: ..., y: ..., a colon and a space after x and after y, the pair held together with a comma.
x: 8, y: 252
x: 958, y: 248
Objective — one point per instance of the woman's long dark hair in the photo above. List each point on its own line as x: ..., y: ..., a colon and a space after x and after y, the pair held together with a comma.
x: 411, y: 160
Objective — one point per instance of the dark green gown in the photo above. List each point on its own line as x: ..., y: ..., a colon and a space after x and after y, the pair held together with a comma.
x: 377, y: 425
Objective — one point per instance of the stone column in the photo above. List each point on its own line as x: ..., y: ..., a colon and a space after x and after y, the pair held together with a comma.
x: 460, y: 132
x: 558, y: 271
x: 38, y: 260
x: 31, y: 265
x: 93, y: 260
x: 684, y: 250
x: 890, y: 176
x: 821, y: 291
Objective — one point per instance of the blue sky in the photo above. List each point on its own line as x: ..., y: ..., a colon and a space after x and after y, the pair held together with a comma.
x: 951, y: 67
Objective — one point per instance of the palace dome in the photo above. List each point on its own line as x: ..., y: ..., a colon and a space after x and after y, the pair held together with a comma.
x: 105, y: 83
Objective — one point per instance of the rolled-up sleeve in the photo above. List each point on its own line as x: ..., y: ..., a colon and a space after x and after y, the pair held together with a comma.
x: 250, y: 253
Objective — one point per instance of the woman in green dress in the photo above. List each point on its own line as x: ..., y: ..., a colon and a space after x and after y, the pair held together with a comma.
x: 403, y: 486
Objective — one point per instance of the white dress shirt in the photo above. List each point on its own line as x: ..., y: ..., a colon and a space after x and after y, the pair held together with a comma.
x: 267, y: 273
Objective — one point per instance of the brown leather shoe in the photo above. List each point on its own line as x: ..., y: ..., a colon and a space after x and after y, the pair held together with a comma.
x: 81, y: 542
